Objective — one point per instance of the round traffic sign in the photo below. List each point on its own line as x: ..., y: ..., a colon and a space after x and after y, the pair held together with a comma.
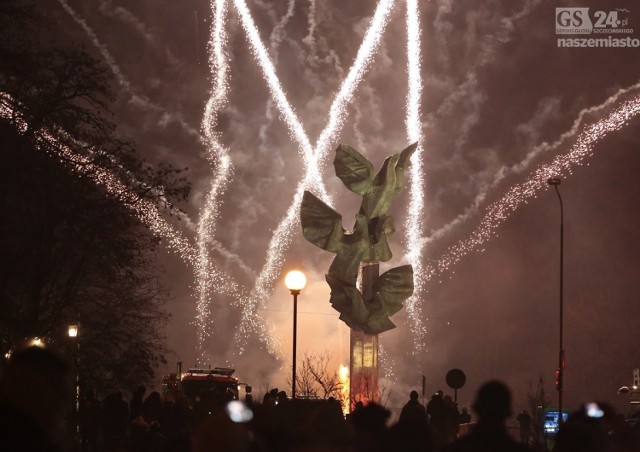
x: 456, y: 378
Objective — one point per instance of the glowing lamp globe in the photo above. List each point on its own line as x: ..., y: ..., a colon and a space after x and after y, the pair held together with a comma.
x: 73, y: 330
x: 37, y: 342
x: 295, y: 281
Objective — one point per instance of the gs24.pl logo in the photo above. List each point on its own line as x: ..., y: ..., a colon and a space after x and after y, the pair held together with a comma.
x: 578, y: 21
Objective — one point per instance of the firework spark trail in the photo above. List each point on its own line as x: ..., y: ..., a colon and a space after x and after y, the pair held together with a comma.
x: 125, y: 15
x: 207, y: 275
x: 499, y: 211
x: 220, y: 161
x: 461, y: 93
x: 465, y: 92
x: 314, y: 156
x: 122, y: 80
x: 316, y: 45
x: 250, y: 321
x: 275, y: 39
x: 414, y: 223
x: 364, y: 58
x: 126, y: 85
x: 310, y: 39
x: 136, y: 99
x: 144, y: 209
x: 471, y: 210
x: 233, y: 257
x: 281, y: 237
x: 288, y: 114
x: 387, y: 363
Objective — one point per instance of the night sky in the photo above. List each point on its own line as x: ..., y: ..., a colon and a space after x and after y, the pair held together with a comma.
x: 499, y: 99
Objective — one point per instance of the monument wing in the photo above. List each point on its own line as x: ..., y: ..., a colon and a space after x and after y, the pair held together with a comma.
x: 383, y: 188
x: 405, y: 155
x: 347, y: 300
x: 394, y: 287
x: 377, y: 324
x: 354, y: 170
x: 379, y: 229
x: 321, y: 225
x: 403, y: 163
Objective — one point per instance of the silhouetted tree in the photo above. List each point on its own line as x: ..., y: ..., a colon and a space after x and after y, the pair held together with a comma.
x: 538, y: 402
x: 315, y: 380
x: 71, y: 252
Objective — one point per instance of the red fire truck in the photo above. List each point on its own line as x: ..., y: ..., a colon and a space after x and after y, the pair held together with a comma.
x: 196, y: 382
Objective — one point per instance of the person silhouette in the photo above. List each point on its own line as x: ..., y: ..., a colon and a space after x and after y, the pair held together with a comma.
x: 436, y: 412
x: 465, y: 417
x: 492, y: 406
x: 370, y: 427
x: 411, y: 432
x: 413, y: 411
x: 524, y: 419
x: 135, y: 404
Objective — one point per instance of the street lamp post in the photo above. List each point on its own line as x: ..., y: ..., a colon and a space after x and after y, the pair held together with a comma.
x: 295, y: 282
x: 73, y: 330
x: 560, y: 377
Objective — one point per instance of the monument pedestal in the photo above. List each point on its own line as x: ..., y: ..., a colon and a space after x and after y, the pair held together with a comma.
x: 363, y: 350
x: 363, y: 368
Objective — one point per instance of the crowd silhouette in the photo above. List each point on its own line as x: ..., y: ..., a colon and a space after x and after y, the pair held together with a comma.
x: 36, y: 388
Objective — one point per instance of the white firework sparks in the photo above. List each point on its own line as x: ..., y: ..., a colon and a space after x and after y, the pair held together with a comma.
x: 498, y: 212
x: 144, y: 210
x: 313, y: 158
x: 414, y: 222
x: 54, y: 143
x: 210, y: 279
x: 220, y: 162
x: 294, y: 125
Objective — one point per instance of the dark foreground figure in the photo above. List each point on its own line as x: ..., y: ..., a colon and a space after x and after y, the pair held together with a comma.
x: 597, y: 428
x: 493, y: 407
x: 35, y: 390
x: 35, y: 396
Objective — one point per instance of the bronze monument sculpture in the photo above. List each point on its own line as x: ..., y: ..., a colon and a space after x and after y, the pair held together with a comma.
x: 366, y: 312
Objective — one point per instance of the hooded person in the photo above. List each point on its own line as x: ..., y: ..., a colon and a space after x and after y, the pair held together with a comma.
x: 492, y: 406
